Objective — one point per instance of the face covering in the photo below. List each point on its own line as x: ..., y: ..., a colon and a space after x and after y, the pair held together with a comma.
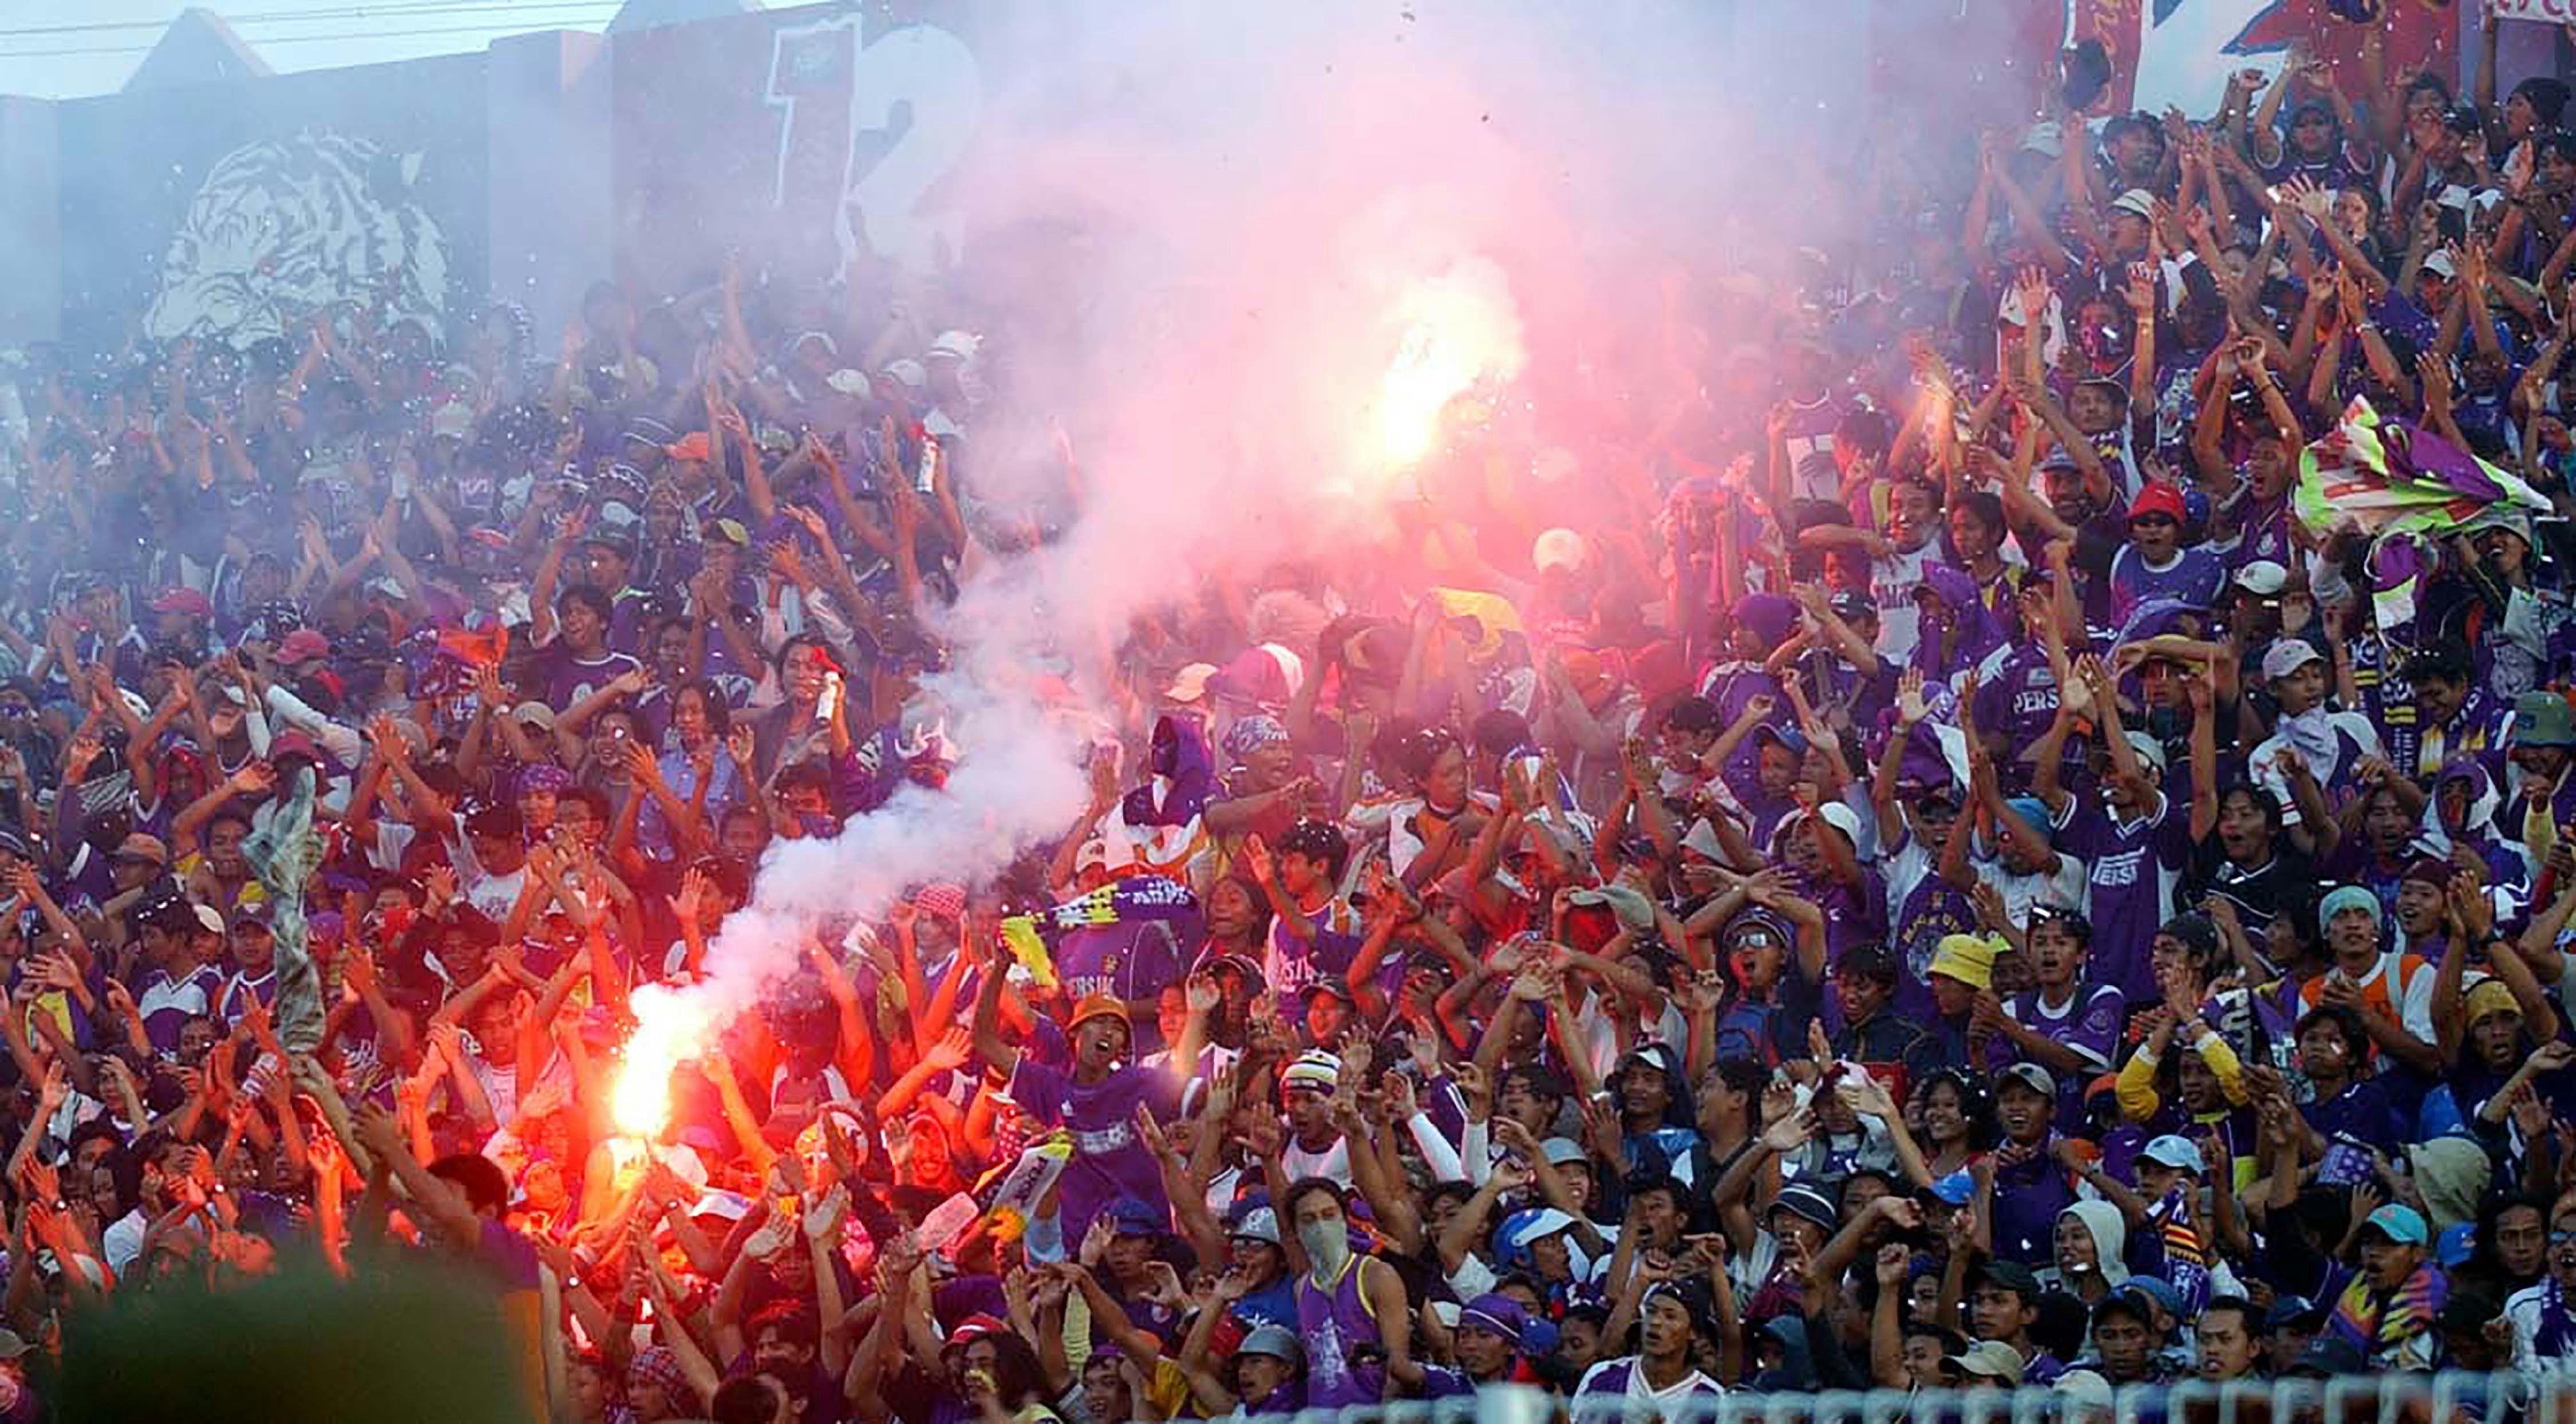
x: 1326, y: 1243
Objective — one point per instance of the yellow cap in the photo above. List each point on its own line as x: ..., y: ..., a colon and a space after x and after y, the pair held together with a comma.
x: 1970, y: 959
x: 2490, y: 996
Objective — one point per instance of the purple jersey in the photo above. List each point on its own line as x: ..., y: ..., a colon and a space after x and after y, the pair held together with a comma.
x: 2088, y: 1022
x: 1333, y: 1320
x: 570, y: 679
x: 2016, y: 694
x: 1109, y: 1164
x: 2192, y: 579
x: 1133, y: 962
x: 2131, y: 865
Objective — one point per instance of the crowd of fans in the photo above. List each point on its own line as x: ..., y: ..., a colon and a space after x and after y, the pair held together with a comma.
x: 1933, y: 865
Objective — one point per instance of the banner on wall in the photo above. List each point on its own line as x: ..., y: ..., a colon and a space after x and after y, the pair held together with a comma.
x: 2553, y: 12
x: 822, y: 135
x: 237, y: 212
x: 2180, y: 52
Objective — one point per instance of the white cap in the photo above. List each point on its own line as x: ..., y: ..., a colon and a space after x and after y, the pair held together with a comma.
x: 2288, y: 656
x: 956, y: 345
x: 2149, y: 750
x: 2440, y: 265
x: 2263, y: 578
x: 849, y: 382
x: 1557, y: 549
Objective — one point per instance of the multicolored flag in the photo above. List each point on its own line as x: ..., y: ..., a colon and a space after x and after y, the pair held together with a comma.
x: 2387, y: 475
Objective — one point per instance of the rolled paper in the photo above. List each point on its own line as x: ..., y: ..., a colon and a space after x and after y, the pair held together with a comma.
x: 1016, y: 1200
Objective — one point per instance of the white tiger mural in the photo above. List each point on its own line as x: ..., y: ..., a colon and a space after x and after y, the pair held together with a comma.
x: 282, y: 228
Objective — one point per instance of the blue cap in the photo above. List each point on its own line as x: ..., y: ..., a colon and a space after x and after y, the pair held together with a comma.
x: 1135, y: 1218
x: 2159, y: 1290
x: 2180, y: 1153
x: 2456, y: 1244
x: 1956, y: 1188
x: 1788, y: 737
x: 2401, y: 1224
x: 2033, y: 811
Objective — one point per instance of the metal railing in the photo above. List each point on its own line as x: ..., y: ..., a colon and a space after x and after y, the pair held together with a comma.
x: 2448, y: 1397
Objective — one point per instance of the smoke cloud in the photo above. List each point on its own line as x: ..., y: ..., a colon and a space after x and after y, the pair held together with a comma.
x: 1242, y: 255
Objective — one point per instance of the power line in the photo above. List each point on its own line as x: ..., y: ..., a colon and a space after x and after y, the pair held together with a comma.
x: 544, y: 23
x: 396, y: 10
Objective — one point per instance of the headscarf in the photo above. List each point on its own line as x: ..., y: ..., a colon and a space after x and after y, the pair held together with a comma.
x: 1976, y: 636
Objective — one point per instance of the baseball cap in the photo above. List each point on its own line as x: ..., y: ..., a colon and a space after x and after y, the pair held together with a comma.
x: 2032, y: 1076
x: 1332, y: 986
x: 2175, y: 1151
x: 1136, y: 1218
x: 1562, y: 1151
x: 2011, y: 1275
x: 1277, y: 1341
x: 2329, y: 1354
x: 692, y: 446
x: 2401, y: 1224
x: 1189, y: 682
x: 2293, y: 1310
x: 2157, y: 498
x: 1988, y: 1359
x: 2158, y: 1290
x: 2288, y: 656
x: 2263, y: 578
x: 303, y: 646
x: 1258, y: 1224
x: 1800, y: 1199
x: 2439, y: 263
x: 2148, y: 750
x: 2137, y: 201
x: 2541, y: 719
x: 1522, y: 1228
x: 1496, y: 1314
x: 141, y: 847
x: 973, y: 1328
x: 534, y: 711
x: 181, y: 599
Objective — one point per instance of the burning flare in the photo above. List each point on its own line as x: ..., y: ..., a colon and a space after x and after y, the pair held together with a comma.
x: 672, y: 1027
x: 1459, y: 329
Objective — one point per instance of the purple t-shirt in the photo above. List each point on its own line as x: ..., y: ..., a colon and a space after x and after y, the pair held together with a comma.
x: 2131, y: 867
x: 2194, y: 578
x: 570, y: 679
x: 1109, y: 1165
x: 2016, y: 697
x: 2089, y: 1024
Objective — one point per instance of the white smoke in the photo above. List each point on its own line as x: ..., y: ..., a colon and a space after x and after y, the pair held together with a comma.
x: 1273, y: 211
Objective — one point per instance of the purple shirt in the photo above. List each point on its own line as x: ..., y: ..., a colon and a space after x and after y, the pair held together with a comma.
x: 2016, y: 696
x: 2089, y: 1024
x: 2130, y: 869
x: 1332, y: 1320
x: 1109, y: 1165
x: 569, y: 679
x: 2194, y: 578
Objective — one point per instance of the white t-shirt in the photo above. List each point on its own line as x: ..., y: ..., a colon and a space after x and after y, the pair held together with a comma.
x: 1892, y: 581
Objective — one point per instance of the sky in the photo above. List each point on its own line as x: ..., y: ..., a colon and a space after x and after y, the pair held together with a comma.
x: 68, y: 49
